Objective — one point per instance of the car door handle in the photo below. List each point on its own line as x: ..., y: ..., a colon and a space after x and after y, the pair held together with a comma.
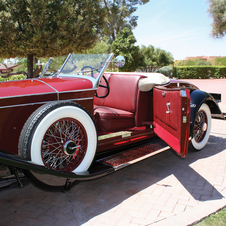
x: 168, y: 108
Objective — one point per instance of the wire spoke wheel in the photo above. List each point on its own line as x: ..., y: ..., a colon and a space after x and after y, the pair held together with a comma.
x: 201, y: 128
x: 64, y: 145
x: 60, y: 136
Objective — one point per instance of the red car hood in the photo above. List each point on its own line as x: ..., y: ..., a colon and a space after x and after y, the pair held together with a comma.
x: 43, y: 85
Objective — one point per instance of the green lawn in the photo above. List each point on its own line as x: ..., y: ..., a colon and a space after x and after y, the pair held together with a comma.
x: 217, y: 219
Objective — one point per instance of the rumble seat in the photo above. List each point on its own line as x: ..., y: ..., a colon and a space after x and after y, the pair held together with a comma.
x: 125, y: 106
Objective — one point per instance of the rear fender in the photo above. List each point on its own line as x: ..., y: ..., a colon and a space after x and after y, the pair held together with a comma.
x: 199, y: 97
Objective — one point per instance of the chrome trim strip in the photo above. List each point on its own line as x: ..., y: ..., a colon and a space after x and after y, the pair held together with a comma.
x: 21, y: 105
x: 36, y: 94
x: 50, y: 87
x: 74, y: 91
x: 86, y: 98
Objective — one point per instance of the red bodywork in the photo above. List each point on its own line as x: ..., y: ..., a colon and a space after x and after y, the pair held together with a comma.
x: 19, y: 99
x: 88, y: 125
x: 142, y: 113
x: 126, y: 108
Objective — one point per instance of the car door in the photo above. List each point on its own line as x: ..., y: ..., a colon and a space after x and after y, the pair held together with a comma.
x: 172, y: 117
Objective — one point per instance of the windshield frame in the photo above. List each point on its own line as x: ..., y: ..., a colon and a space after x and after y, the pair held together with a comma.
x: 79, y: 74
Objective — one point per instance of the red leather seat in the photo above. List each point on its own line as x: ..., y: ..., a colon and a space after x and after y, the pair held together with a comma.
x: 112, y: 119
x: 118, y: 110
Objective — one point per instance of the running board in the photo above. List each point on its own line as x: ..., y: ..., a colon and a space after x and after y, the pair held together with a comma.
x: 100, y: 167
x: 131, y: 156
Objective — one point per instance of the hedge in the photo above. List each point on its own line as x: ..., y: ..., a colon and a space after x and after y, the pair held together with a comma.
x: 166, y: 70
x: 13, y: 77
x: 196, y: 72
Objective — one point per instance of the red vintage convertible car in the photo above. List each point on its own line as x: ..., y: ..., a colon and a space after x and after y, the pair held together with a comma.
x: 77, y: 122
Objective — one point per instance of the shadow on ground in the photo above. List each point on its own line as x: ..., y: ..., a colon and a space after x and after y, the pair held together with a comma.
x: 92, y: 198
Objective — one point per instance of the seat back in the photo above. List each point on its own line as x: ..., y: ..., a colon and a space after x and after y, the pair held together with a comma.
x: 125, y: 95
x: 123, y: 92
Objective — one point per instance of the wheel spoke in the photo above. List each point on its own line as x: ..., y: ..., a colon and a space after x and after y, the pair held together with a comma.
x: 64, y: 145
x: 60, y: 131
x: 199, y: 126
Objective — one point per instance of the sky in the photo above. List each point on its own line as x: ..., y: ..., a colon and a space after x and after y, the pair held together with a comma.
x: 182, y: 27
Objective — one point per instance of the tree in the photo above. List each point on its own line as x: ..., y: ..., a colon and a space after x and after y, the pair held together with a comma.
x: 100, y: 48
x: 119, y: 14
x: 124, y: 45
x: 220, y: 61
x: 156, y: 56
x: 163, y: 57
x: 150, y: 58
x: 42, y: 28
x: 217, y: 10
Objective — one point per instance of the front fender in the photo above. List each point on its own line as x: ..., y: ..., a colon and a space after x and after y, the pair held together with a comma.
x: 199, y: 97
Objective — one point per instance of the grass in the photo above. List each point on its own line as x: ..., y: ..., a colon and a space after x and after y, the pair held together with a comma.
x: 216, y: 219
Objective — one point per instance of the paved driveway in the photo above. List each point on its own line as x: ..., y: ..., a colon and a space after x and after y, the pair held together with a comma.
x: 161, y: 190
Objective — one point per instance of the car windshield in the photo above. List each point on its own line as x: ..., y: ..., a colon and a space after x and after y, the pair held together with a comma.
x: 91, y: 66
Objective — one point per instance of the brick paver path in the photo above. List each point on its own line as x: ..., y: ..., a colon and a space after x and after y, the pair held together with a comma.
x: 161, y: 190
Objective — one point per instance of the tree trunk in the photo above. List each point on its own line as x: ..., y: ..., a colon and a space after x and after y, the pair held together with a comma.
x: 38, y: 68
x: 30, y: 66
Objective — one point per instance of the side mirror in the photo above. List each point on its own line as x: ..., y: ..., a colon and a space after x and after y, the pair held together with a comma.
x: 119, y: 61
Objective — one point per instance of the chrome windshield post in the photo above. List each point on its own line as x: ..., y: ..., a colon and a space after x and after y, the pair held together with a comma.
x: 66, y: 60
x: 46, y: 66
x: 96, y: 83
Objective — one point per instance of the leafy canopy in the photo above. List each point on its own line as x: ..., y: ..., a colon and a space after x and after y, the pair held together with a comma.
x: 119, y: 14
x: 124, y: 45
x: 43, y: 28
x: 48, y: 28
x: 217, y: 10
x: 155, y: 56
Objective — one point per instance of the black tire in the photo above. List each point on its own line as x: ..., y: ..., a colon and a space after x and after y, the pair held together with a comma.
x: 56, y: 131
x: 60, y: 136
x: 201, y: 128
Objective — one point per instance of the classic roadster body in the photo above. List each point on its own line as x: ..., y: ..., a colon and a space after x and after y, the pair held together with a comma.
x: 77, y: 122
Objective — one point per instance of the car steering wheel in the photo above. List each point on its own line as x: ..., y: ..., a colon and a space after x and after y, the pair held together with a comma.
x: 100, y: 85
x: 103, y: 86
x: 92, y: 69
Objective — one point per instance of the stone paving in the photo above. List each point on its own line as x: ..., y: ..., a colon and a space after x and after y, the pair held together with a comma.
x: 161, y: 190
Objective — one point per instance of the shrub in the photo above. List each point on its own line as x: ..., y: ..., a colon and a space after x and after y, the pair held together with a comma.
x: 166, y: 70
x: 194, y: 62
x: 220, y: 61
x: 203, y: 72
x: 13, y: 77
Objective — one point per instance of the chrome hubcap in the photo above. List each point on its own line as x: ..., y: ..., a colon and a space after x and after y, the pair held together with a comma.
x: 70, y: 148
x: 204, y: 127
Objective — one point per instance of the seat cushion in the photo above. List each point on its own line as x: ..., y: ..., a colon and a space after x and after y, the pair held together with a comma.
x: 112, y: 119
x: 123, y: 92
